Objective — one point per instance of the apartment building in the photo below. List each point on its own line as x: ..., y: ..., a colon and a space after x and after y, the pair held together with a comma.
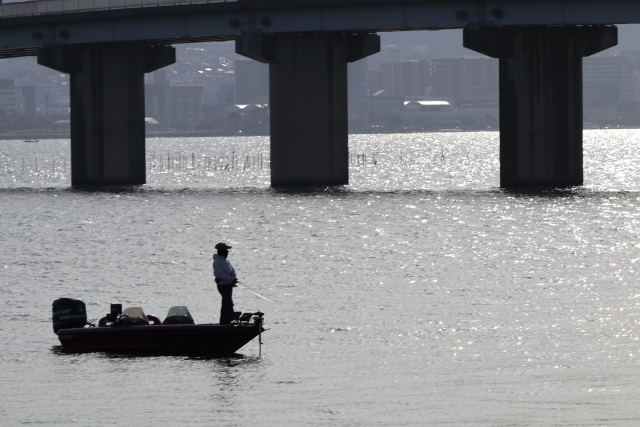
x: 358, y: 87
x: 451, y: 78
x: 409, y: 78
x: 616, y: 70
x: 251, y: 82
x: 173, y: 106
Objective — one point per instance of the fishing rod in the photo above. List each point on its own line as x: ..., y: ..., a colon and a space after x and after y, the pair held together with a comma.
x: 253, y: 292
x: 243, y: 286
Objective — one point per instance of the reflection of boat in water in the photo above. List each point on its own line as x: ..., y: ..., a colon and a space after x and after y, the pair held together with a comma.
x: 30, y: 140
x: 132, y: 330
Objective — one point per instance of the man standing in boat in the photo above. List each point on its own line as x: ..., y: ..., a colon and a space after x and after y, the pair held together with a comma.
x: 225, y: 279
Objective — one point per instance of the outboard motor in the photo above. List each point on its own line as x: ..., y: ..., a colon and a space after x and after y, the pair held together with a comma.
x: 68, y: 313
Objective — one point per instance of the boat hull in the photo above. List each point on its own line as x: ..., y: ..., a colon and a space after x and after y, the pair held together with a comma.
x: 160, y: 338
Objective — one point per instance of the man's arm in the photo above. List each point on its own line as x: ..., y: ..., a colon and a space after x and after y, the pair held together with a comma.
x: 222, y: 270
x: 218, y: 269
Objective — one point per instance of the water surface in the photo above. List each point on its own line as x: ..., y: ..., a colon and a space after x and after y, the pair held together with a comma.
x: 421, y: 294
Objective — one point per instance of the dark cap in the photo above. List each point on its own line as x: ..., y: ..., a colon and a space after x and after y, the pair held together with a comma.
x: 222, y: 246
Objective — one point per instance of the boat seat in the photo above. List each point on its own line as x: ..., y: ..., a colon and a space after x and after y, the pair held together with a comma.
x: 178, y: 315
x: 133, y: 316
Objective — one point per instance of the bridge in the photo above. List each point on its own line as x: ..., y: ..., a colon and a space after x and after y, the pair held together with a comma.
x: 107, y: 45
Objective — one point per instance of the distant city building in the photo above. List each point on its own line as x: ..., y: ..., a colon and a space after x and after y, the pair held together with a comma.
x: 392, y: 78
x: 635, y: 57
x: 416, y: 77
x: 383, y: 103
x: 455, y: 77
x: 388, y: 53
x: 156, y: 97
x: 615, y: 70
x: 14, y: 99
x: 636, y: 84
x: 225, y: 95
x: 375, y: 81
x: 600, y: 101
x: 484, y: 97
x: 173, y: 106
x: 11, y: 101
x: 251, y: 82
x: 358, y: 88
x: 52, y: 99
x: 409, y: 78
x: 44, y: 98
x: 29, y: 98
x: 184, y: 106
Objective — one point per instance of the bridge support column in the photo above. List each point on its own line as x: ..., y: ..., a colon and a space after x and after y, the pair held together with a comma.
x: 540, y: 98
x: 308, y: 102
x: 107, y: 109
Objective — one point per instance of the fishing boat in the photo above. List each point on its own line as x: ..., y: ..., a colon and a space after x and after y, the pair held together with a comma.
x: 132, y: 330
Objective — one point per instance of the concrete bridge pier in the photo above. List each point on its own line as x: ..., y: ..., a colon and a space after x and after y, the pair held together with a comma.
x: 540, y: 98
x: 107, y: 109
x: 308, y: 102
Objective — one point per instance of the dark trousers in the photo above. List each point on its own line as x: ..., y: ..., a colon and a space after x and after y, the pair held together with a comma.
x: 227, y: 303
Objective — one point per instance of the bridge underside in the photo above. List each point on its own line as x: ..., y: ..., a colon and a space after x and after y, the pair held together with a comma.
x: 33, y: 51
x: 25, y: 29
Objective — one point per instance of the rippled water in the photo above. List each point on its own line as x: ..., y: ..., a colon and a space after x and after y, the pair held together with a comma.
x: 421, y: 294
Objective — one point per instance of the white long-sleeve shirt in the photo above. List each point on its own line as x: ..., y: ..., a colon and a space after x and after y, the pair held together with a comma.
x: 223, y: 270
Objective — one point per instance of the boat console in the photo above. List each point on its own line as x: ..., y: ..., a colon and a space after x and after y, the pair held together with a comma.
x: 239, y: 317
x: 116, y: 311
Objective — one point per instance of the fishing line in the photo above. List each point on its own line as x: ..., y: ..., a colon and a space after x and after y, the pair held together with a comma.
x: 243, y: 286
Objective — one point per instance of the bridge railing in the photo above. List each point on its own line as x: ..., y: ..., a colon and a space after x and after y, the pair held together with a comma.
x: 11, y: 10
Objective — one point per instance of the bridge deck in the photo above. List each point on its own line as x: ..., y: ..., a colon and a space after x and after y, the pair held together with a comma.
x: 36, y: 8
x: 30, y: 25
